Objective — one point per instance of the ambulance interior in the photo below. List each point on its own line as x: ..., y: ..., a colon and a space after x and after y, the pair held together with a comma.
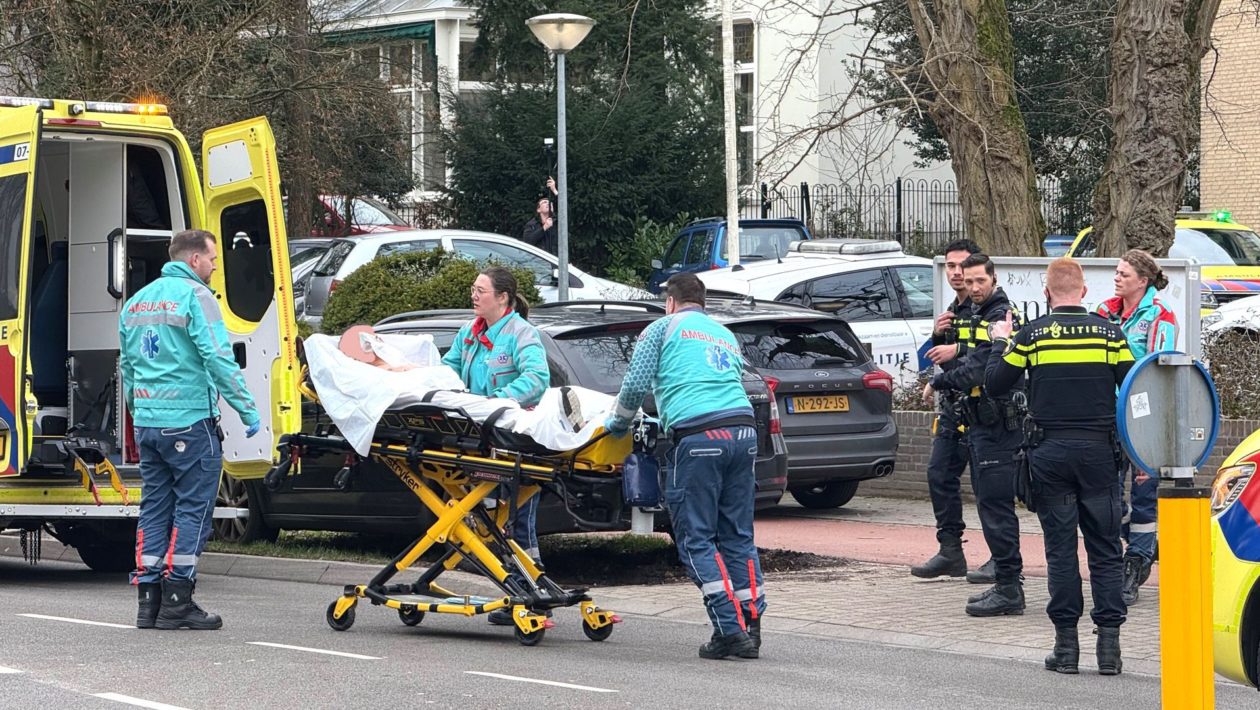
x: 105, y: 210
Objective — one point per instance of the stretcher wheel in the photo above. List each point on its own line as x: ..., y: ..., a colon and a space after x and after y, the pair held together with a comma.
x: 342, y: 624
x: 595, y: 634
x: 530, y: 638
x: 411, y: 617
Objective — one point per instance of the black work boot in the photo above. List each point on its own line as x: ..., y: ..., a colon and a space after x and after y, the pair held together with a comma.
x: 1003, y: 600
x: 179, y: 611
x: 736, y: 644
x: 1132, y: 580
x: 1109, y: 662
x: 977, y: 597
x: 985, y: 574
x: 949, y: 562
x: 150, y: 602
x: 754, y: 634
x: 1067, y: 651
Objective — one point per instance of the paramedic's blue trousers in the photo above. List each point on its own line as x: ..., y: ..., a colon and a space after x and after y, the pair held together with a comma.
x: 179, y: 470
x: 709, y: 489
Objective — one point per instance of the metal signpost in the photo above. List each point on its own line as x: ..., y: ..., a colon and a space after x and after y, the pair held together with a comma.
x: 1167, y: 415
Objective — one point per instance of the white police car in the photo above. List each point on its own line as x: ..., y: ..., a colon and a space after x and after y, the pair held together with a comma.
x: 884, y: 294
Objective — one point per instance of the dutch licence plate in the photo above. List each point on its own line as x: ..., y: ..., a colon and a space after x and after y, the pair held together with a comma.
x: 822, y: 403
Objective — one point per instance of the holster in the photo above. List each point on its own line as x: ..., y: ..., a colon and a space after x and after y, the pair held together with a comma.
x: 1033, y: 436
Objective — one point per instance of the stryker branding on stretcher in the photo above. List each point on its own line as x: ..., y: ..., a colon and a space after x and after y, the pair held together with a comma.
x: 396, y: 407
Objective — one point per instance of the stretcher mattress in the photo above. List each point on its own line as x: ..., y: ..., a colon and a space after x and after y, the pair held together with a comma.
x: 356, y: 394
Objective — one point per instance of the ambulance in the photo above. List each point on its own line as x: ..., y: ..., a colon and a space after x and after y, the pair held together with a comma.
x: 90, y: 194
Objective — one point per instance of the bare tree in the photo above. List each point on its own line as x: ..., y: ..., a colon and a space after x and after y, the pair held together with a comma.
x: 969, y: 62
x: 1156, y: 48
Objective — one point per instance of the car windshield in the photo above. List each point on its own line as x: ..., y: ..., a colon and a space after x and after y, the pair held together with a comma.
x: 1227, y: 247
x: 764, y: 242
x: 367, y: 211
x: 302, y: 254
x: 600, y: 358
x: 797, y: 345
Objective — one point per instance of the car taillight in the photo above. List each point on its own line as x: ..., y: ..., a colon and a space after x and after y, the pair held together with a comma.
x: 772, y: 383
x: 878, y: 380
x: 776, y: 426
x: 333, y: 287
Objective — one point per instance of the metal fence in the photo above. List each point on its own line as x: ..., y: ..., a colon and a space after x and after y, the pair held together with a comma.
x: 916, y: 212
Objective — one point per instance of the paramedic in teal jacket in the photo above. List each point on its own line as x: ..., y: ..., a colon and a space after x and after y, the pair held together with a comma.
x: 500, y: 354
x: 176, y: 360
x: 694, y: 368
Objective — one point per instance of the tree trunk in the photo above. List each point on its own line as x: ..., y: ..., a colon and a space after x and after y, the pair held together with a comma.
x: 300, y: 177
x: 1155, y: 52
x: 969, y: 60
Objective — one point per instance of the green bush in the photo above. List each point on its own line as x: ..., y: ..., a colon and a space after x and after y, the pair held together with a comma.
x: 630, y: 260
x: 413, y: 281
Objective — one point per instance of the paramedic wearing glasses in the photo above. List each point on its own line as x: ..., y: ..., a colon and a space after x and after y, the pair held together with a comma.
x: 500, y: 354
x: 176, y: 360
x: 693, y: 366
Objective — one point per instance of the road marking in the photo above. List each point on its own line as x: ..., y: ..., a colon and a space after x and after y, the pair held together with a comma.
x: 5, y: 671
x: 78, y: 621
x: 138, y: 702
x: 315, y: 650
x: 543, y: 682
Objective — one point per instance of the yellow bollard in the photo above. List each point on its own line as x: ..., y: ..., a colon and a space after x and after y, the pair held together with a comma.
x: 1185, y: 599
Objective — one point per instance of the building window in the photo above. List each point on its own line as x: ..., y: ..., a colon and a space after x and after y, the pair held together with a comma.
x: 743, y: 42
x: 745, y: 102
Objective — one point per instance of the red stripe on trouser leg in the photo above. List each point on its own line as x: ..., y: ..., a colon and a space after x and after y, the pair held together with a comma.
x: 135, y: 579
x: 170, y: 552
x: 730, y: 591
x: 752, y: 588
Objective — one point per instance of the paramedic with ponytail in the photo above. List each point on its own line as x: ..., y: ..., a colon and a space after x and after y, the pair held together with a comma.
x: 694, y: 368
x: 499, y: 354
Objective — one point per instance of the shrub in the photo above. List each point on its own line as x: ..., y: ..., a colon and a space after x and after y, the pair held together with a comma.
x: 630, y: 260
x: 1230, y: 359
x: 413, y: 281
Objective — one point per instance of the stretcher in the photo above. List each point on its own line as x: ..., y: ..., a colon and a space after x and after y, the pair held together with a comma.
x: 453, y: 463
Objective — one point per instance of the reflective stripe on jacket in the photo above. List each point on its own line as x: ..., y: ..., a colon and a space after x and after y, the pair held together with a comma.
x: 176, y: 356
x: 1149, y: 327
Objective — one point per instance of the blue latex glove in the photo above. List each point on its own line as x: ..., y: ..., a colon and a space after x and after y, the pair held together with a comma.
x: 251, y: 430
x: 615, y: 430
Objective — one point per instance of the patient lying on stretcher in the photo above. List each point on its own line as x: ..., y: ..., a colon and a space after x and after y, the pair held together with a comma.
x: 365, y: 373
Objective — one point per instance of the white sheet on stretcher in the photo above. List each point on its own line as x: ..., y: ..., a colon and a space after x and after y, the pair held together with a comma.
x: 356, y: 394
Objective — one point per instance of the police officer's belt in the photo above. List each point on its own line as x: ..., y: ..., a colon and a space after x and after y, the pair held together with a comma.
x: 739, y: 420
x: 1070, y: 433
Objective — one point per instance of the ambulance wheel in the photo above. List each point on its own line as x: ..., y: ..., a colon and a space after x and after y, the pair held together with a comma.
x: 595, y: 634
x: 342, y: 624
x: 411, y: 617
x: 530, y: 638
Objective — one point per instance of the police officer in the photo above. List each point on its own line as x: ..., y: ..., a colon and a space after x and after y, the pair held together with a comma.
x: 1075, y: 360
x: 694, y: 368
x: 176, y: 360
x: 993, y: 436
x: 951, y: 338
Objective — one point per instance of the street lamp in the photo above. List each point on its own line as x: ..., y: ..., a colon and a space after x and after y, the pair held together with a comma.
x: 561, y: 32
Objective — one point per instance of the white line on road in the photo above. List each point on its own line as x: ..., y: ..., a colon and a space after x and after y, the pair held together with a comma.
x: 78, y: 621
x: 543, y: 682
x: 4, y: 670
x: 138, y: 702
x: 314, y: 650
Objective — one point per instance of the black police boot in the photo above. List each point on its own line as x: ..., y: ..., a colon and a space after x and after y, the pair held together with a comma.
x: 1132, y: 580
x: 1109, y: 662
x: 754, y: 634
x: 977, y: 597
x: 150, y: 603
x: 1067, y: 651
x: 949, y: 562
x: 179, y: 611
x: 736, y: 644
x: 986, y: 574
x: 1003, y: 600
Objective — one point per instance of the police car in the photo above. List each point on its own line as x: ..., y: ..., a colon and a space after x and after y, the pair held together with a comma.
x: 1236, y: 564
x: 883, y: 294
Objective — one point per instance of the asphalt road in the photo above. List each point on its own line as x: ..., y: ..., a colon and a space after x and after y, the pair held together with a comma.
x: 276, y: 651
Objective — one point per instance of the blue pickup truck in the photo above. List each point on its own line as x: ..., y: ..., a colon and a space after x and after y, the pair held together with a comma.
x: 701, y: 246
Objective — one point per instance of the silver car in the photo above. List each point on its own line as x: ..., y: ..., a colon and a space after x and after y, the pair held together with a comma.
x: 344, y: 256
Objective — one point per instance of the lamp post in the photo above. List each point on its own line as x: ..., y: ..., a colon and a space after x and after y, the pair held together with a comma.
x: 561, y: 32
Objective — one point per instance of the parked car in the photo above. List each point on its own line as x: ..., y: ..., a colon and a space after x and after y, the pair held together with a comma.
x: 1228, y: 254
x: 1236, y: 564
x: 702, y: 245
x: 304, y: 254
x: 883, y: 294
x: 587, y: 347
x: 1240, y: 316
x: 367, y: 216
x: 835, y: 404
x: 347, y: 255
x: 1057, y: 244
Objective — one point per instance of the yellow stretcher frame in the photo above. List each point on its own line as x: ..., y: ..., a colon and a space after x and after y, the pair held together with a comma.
x: 453, y: 485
